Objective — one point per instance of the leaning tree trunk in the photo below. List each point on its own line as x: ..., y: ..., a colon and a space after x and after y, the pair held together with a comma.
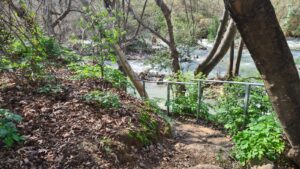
x: 222, y: 49
x: 218, y: 40
x: 127, y: 68
x: 261, y: 32
x: 122, y: 61
x: 239, y: 58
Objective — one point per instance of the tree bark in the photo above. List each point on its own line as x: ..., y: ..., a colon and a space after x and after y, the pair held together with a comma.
x: 131, y: 74
x: 172, y: 45
x: 219, y: 37
x: 261, y: 32
x: 231, y: 60
x: 222, y: 49
x: 122, y: 60
x: 238, y: 59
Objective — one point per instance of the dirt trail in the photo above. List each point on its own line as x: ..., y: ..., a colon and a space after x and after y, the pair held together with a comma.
x: 198, y: 147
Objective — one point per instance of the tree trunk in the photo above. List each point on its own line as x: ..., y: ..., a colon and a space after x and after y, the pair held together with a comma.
x: 261, y: 32
x: 172, y: 45
x: 222, y: 49
x: 47, y: 17
x: 122, y: 61
x: 127, y: 68
x: 238, y: 59
x: 231, y: 60
x: 219, y: 37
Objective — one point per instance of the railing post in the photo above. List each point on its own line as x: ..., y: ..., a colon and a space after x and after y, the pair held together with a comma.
x: 199, y: 97
x: 168, y: 98
x: 246, y: 100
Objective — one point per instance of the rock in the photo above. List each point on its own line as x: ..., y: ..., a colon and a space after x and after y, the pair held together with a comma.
x: 204, y: 140
x: 142, y: 165
x: 205, y: 166
x: 267, y: 166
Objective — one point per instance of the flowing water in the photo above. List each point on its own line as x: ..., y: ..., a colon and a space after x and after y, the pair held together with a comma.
x: 247, y: 67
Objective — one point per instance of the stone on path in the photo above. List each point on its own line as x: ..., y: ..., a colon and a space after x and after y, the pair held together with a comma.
x: 205, y: 166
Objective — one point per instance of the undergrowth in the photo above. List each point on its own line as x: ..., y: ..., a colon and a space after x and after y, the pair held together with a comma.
x: 256, y: 133
x: 9, y: 134
x: 103, y: 99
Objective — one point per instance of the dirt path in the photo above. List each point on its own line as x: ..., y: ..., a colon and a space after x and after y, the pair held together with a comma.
x: 198, y: 147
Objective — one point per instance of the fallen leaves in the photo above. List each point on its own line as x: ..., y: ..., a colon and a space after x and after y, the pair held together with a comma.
x: 62, y: 131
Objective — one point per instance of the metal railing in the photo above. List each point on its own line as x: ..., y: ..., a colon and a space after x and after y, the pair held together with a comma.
x: 201, y: 83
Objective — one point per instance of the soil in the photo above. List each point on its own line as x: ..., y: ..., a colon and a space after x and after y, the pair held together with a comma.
x: 198, y: 146
x: 63, y: 131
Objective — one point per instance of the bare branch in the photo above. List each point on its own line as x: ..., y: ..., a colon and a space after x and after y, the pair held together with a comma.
x: 63, y: 15
x: 146, y: 26
x: 139, y: 26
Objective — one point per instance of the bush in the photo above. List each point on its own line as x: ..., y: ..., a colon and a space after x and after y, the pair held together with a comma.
x: 230, y: 110
x: 30, y: 59
x: 256, y: 135
x: 50, y: 89
x: 103, y: 99
x: 186, y: 97
x: 85, y: 71
x: 261, y: 139
x: 148, y: 132
x: 114, y: 76
x: 8, y: 131
x: 186, y: 105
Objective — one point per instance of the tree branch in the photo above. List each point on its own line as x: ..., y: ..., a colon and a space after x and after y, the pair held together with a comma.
x: 147, y: 27
x: 63, y: 15
x: 139, y: 26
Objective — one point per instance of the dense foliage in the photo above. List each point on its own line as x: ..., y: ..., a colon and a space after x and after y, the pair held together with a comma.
x: 231, y: 110
x: 262, y: 139
x: 256, y: 133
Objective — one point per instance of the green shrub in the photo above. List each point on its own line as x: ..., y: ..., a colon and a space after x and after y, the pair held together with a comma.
x: 30, y: 59
x: 103, y: 99
x: 148, y: 131
x: 185, y: 101
x: 261, y: 139
x: 114, y: 76
x: 256, y: 134
x: 230, y: 109
x: 186, y: 105
x: 8, y: 131
x: 50, y: 89
x: 85, y: 71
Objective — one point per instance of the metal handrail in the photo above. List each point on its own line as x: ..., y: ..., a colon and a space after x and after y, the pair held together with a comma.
x: 200, y: 83
x: 212, y: 81
x: 230, y: 82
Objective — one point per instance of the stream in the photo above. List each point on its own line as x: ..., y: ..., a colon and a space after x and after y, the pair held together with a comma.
x: 247, y: 67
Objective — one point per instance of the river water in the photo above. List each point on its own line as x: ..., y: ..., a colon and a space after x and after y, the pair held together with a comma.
x: 247, y: 67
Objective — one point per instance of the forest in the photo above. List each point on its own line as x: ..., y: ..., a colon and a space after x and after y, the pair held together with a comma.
x: 150, y: 84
